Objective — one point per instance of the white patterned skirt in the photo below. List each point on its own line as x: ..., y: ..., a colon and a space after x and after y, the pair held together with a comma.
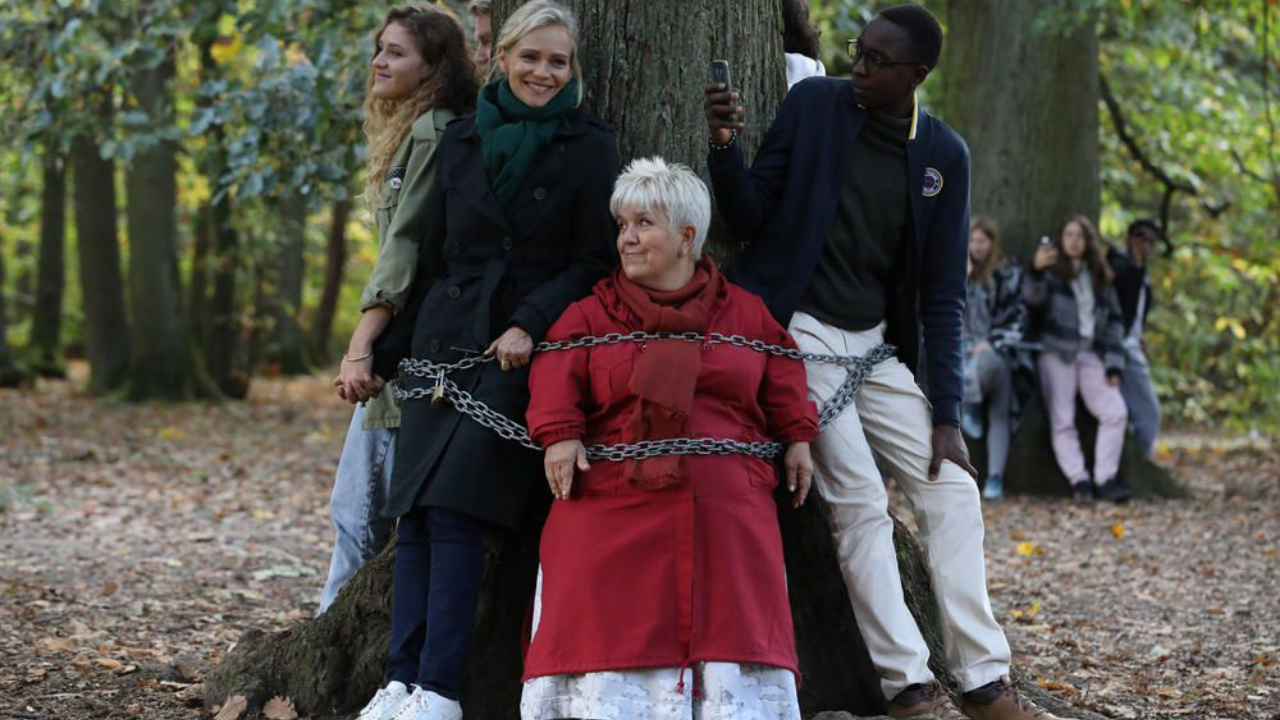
x: 725, y: 691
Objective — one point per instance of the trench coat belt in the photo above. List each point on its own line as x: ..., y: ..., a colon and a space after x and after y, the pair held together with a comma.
x: 491, y: 274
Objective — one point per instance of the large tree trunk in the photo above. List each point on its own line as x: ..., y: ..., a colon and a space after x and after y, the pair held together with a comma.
x: 107, y: 338
x: 647, y: 63
x: 1026, y: 100
x: 162, y: 365
x: 334, y: 269
x: 46, y: 320
x: 281, y: 340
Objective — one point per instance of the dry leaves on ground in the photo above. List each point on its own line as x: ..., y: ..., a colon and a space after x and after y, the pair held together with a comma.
x: 138, y: 542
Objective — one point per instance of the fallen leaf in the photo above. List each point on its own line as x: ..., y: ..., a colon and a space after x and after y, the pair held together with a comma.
x: 233, y: 709
x: 1027, y: 549
x: 1118, y: 531
x: 279, y: 708
x: 110, y: 588
x: 110, y: 663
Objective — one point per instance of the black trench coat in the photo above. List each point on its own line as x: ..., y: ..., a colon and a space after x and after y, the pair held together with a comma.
x: 483, y: 268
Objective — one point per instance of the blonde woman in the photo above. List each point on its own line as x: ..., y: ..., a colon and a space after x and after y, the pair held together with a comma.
x: 518, y: 227
x: 420, y: 78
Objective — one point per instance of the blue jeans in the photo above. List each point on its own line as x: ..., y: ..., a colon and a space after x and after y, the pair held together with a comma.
x: 1140, y: 397
x: 439, y: 568
x: 359, y: 489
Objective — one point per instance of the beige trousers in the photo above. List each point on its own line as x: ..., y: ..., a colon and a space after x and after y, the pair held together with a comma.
x: 893, y: 417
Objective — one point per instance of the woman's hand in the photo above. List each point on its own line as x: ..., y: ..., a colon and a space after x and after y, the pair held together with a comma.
x: 513, y: 348
x: 356, y: 381
x: 560, y: 461
x: 799, y: 464
x: 1046, y: 255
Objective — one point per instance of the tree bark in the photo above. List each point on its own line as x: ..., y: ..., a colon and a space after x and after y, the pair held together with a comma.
x: 1026, y: 100
x: 334, y: 269
x: 46, y: 320
x: 107, y: 337
x: 163, y: 365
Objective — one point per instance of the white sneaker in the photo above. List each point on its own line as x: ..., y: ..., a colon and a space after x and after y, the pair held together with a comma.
x: 426, y: 705
x: 385, y: 702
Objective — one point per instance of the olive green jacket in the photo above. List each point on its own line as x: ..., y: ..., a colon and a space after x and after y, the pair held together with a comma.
x: 401, y: 217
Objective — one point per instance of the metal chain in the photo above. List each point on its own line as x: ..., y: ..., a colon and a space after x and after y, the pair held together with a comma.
x: 857, y: 368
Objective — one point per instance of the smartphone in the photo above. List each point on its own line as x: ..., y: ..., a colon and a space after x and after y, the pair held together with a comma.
x: 1044, y: 240
x: 720, y: 75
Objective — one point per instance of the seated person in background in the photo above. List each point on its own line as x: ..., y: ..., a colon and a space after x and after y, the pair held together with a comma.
x: 800, y: 41
x: 1076, y: 315
x: 650, y: 567
x: 992, y: 323
x: 1133, y: 287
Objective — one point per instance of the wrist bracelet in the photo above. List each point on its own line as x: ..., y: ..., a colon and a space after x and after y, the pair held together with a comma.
x: 365, y: 356
x: 733, y: 138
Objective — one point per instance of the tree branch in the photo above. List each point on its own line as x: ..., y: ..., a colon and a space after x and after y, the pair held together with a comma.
x: 1122, y: 131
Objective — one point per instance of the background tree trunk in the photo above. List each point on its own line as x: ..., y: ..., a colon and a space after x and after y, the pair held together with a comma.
x: 281, y: 338
x: 220, y: 330
x: 334, y: 269
x: 1026, y: 101
x: 107, y: 338
x: 11, y: 374
x: 162, y: 361
x: 1032, y: 469
x: 46, y: 318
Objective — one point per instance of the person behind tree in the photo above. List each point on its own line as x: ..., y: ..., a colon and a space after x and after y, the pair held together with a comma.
x: 517, y: 228
x: 626, y: 538
x: 1075, y: 314
x: 993, y: 324
x: 482, y: 14
x: 1133, y: 288
x: 419, y: 80
x: 800, y: 42
x: 856, y: 214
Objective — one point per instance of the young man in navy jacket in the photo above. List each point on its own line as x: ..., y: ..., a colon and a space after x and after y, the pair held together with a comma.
x: 856, y: 218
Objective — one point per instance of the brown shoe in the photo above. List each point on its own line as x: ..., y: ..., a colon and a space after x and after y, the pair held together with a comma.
x: 926, y: 699
x: 1000, y: 700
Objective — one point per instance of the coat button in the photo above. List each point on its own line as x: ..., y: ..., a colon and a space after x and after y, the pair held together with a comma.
x: 435, y: 346
x: 506, y: 243
x: 454, y: 292
x: 540, y: 194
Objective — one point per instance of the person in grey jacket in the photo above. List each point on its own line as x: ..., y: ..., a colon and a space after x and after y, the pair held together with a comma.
x: 1076, y: 315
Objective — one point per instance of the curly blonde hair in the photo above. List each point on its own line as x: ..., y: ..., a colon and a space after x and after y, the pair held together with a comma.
x: 450, y: 83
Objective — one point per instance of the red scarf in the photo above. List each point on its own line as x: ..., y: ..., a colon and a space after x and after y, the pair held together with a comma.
x: 666, y: 372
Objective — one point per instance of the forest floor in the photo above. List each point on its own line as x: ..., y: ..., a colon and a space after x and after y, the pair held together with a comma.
x: 138, y: 542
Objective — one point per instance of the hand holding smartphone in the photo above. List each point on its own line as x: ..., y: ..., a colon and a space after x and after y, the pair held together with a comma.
x: 721, y: 105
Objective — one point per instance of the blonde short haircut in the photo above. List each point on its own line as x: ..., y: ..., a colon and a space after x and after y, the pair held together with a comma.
x: 531, y: 16
x: 654, y: 185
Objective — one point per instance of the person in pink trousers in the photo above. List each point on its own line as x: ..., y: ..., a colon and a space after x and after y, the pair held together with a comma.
x: 1075, y: 313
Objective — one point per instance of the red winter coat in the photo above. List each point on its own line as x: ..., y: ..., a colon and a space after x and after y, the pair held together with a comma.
x: 637, y: 578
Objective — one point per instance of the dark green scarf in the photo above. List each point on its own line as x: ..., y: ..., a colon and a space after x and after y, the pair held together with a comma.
x: 512, y: 133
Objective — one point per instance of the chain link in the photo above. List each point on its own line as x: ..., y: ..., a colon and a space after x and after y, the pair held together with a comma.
x: 857, y: 369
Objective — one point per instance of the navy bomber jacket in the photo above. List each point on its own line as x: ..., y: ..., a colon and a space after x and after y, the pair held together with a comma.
x: 782, y: 207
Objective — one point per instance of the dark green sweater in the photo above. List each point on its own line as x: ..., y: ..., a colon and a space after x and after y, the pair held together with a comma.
x: 869, y: 230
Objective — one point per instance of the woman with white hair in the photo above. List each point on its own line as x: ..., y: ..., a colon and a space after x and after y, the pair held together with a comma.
x: 516, y: 227
x: 664, y: 567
